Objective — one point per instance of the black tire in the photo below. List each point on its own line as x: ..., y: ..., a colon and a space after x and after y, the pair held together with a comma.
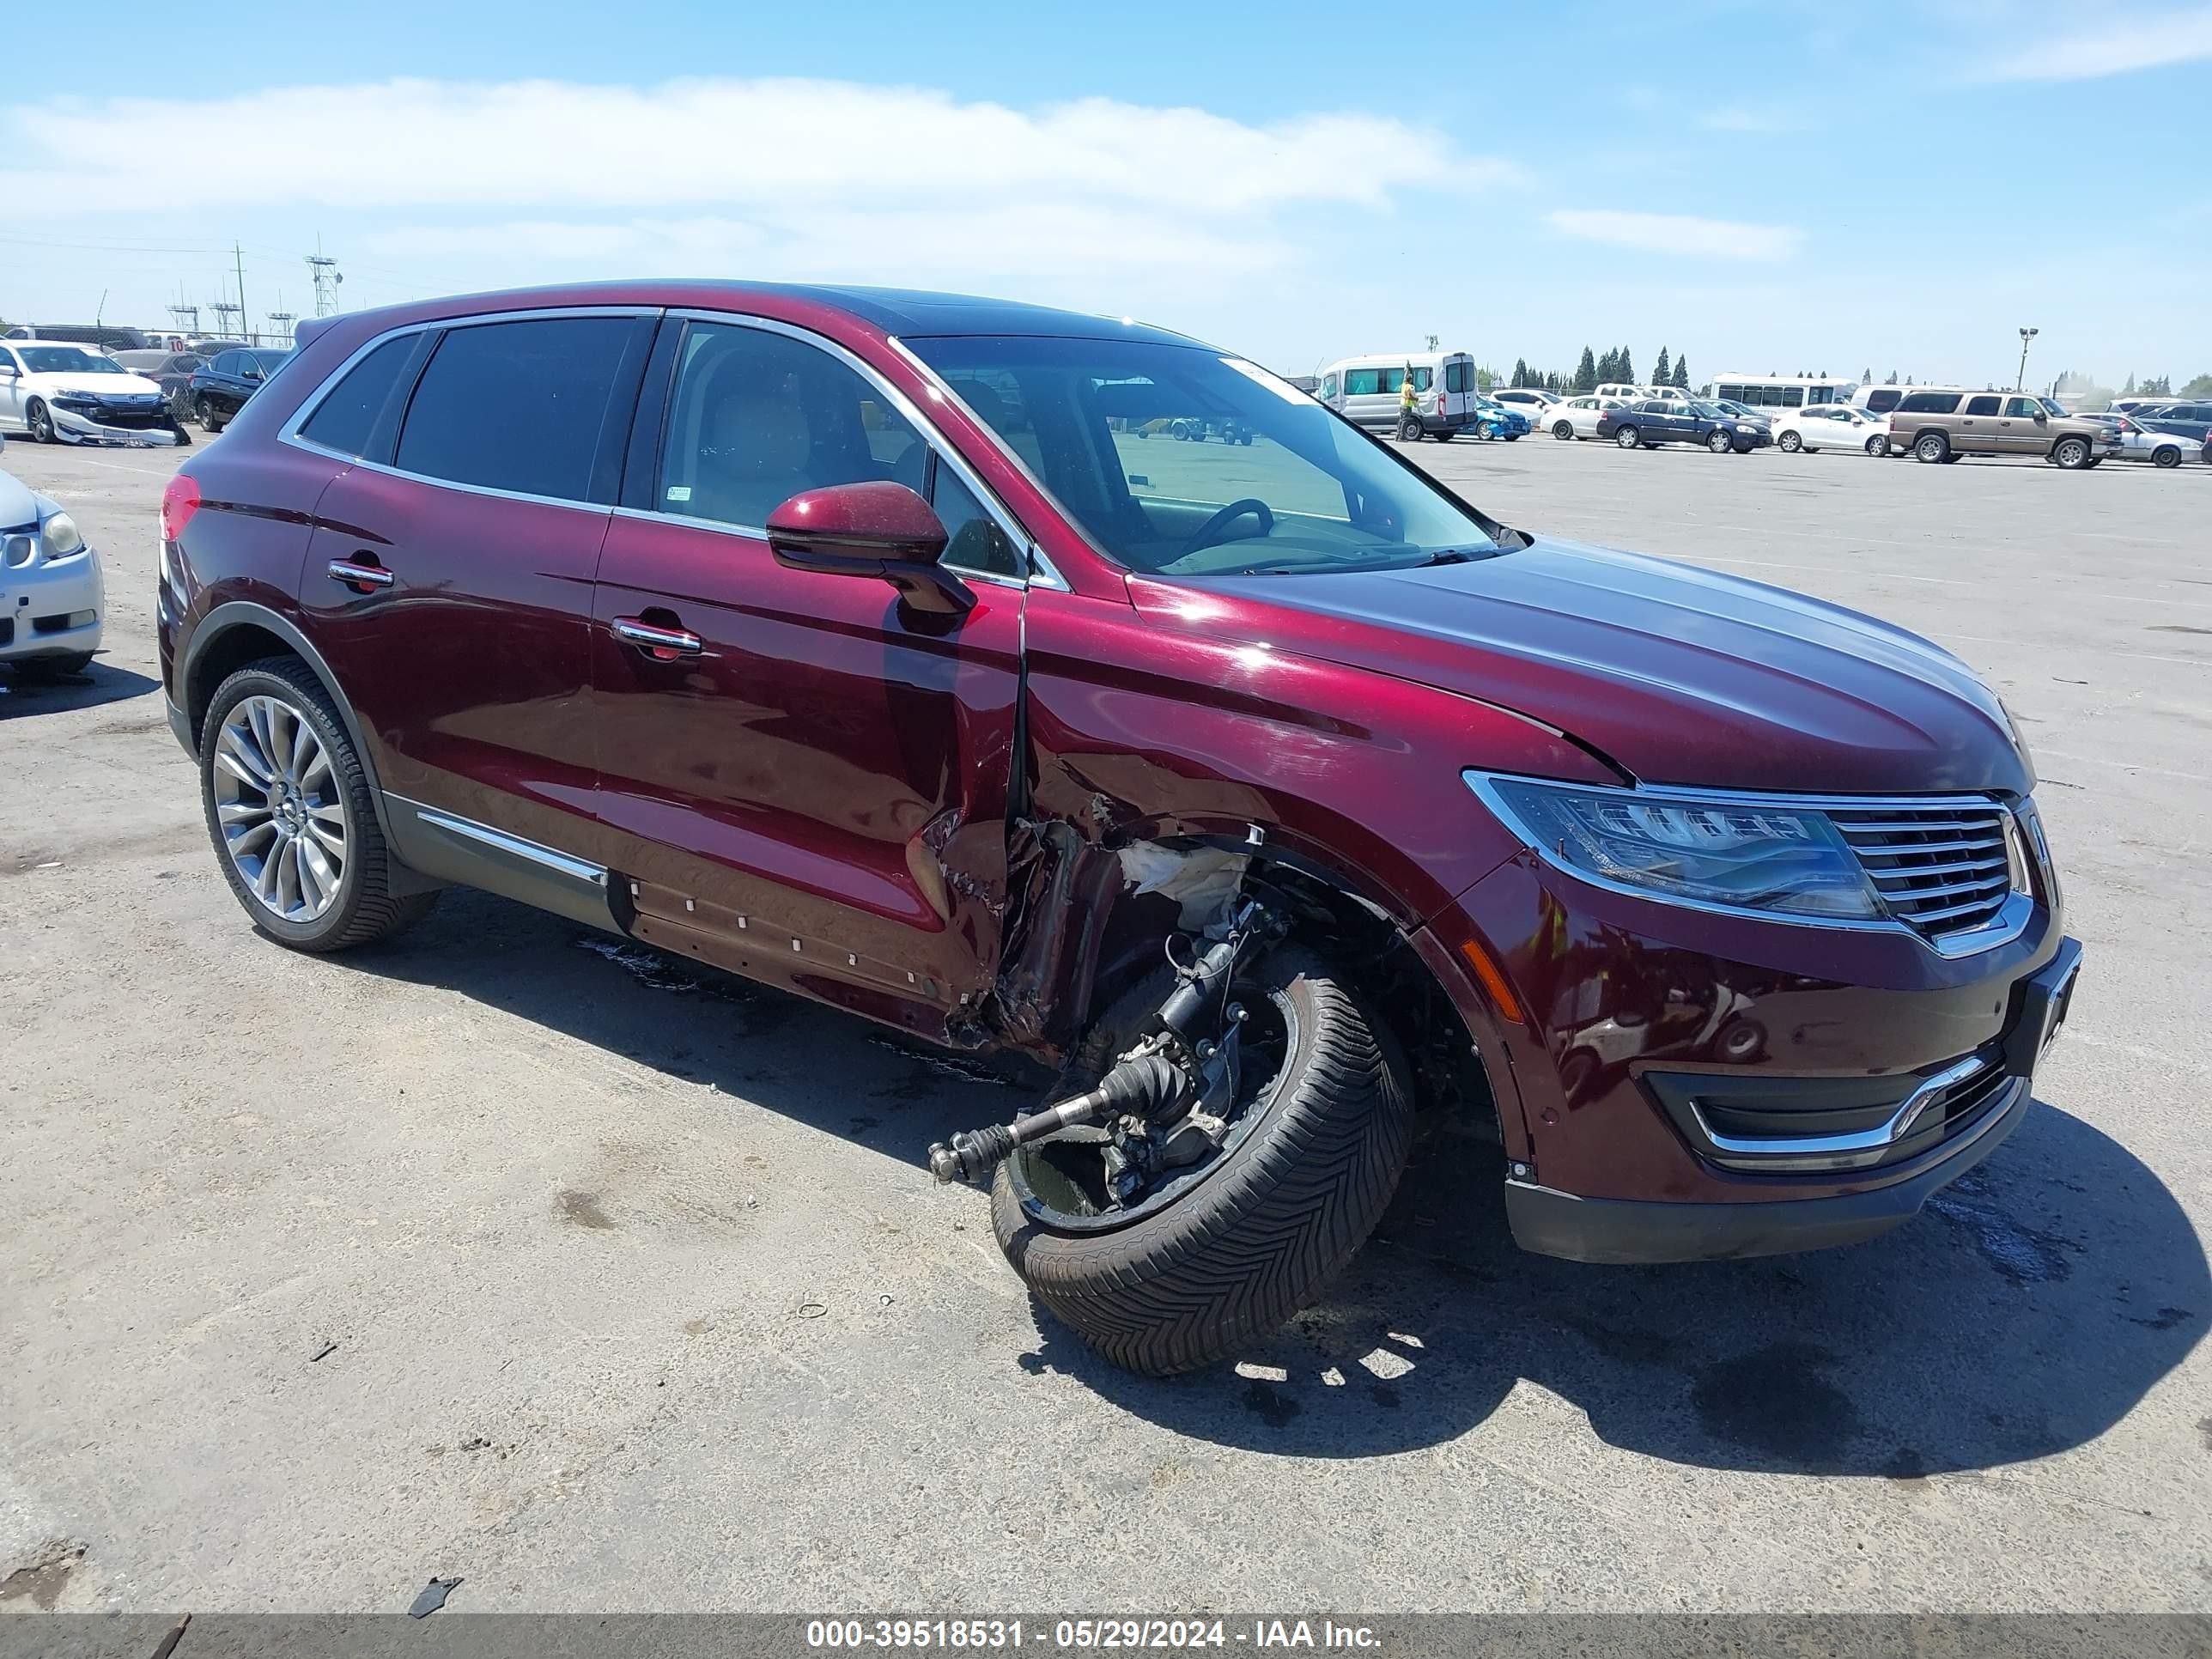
x: 1409, y: 429
x: 1878, y: 447
x: 1789, y: 443
x: 1931, y: 447
x: 2071, y: 454
x: 1718, y: 441
x: 1564, y: 432
x: 1626, y: 437
x: 40, y: 422
x: 38, y: 669
x: 1446, y: 436
x: 207, y: 418
x: 1513, y: 437
x: 2167, y: 455
x: 1260, y: 1236
x: 365, y: 907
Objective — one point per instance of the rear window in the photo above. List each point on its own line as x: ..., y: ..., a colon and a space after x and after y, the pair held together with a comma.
x: 1930, y: 402
x: 1884, y: 399
x: 347, y: 415
x: 516, y: 406
x: 1981, y: 406
x: 1460, y: 377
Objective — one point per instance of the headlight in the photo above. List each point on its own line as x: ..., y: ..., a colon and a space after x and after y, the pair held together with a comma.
x: 1742, y: 855
x: 61, y: 536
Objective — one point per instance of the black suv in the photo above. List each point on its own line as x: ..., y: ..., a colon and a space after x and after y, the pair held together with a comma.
x: 221, y: 386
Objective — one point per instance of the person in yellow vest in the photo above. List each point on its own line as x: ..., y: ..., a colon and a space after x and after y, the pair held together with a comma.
x: 1409, y: 417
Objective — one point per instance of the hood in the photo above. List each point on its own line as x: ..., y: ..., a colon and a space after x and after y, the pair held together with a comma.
x: 105, y: 387
x: 1680, y: 675
x: 18, y: 506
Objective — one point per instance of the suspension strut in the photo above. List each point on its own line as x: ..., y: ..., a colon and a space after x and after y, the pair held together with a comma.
x: 1158, y: 1079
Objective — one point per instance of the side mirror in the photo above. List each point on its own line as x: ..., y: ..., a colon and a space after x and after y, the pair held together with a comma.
x: 251, y: 374
x: 7, y: 371
x: 882, y: 531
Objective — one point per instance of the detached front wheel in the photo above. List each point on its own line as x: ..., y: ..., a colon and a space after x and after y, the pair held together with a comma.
x: 1218, y: 1253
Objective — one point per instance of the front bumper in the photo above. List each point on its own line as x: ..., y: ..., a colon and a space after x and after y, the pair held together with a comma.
x: 52, y: 610
x: 1621, y: 1231
x: 73, y: 427
x: 1598, y: 1015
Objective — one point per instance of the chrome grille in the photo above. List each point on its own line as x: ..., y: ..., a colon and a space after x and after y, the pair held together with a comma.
x: 1943, y: 868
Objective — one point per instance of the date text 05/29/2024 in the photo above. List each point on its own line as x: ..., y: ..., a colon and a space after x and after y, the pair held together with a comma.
x: 1084, y: 1635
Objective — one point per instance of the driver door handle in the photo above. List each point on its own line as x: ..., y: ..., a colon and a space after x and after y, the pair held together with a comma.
x: 360, y: 577
x: 663, y: 644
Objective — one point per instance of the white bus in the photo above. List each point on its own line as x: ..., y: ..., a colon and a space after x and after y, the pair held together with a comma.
x: 1780, y: 390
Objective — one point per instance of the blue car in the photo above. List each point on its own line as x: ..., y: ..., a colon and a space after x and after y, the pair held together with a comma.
x: 1496, y: 420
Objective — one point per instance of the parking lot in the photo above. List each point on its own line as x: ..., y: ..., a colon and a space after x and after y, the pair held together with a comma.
x: 604, y: 1283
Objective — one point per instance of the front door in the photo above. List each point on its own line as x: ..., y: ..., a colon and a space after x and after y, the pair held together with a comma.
x: 2023, y: 428
x: 809, y: 786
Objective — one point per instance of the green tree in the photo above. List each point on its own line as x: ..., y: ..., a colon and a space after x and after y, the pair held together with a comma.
x: 1892, y: 380
x: 2156, y: 386
x: 1626, y: 365
x: 1664, y: 374
x: 1586, y: 372
x: 1520, y: 370
x: 1682, y: 371
x: 1866, y: 377
x: 2128, y: 391
x: 2199, y: 387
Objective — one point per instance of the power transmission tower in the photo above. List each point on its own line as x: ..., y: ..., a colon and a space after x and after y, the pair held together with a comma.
x: 325, y: 270
x: 188, y: 318
x: 225, y: 310
x: 280, y: 323
x: 238, y: 255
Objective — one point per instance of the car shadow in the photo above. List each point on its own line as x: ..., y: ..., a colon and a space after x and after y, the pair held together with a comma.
x: 24, y: 694
x: 2025, y: 1312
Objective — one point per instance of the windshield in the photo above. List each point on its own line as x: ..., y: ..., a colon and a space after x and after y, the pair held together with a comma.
x: 68, y: 360
x: 2052, y: 407
x: 267, y: 361
x: 1711, y: 411
x: 1175, y: 460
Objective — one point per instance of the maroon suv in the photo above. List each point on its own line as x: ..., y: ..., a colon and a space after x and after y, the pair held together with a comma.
x: 881, y: 646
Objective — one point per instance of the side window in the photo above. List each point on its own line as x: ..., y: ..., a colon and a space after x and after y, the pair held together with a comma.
x: 1930, y: 402
x: 2023, y: 408
x: 346, y: 417
x: 1423, y: 378
x: 1982, y: 405
x: 225, y: 362
x: 516, y: 406
x: 1363, y: 382
x: 759, y: 416
x: 973, y: 538
x: 1328, y: 385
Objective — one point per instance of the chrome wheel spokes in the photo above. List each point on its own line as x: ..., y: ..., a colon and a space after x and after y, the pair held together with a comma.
x: 278, y: 808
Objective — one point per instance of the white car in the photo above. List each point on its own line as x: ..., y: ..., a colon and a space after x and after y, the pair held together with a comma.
x: 56, y: 392
x: 1532, y: 401
x: 1831, y: 426
x: 1577, y: 417
x: 51, y: 600
x: 2161, y: 449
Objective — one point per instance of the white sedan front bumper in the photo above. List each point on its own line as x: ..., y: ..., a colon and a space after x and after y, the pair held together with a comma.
x: 48, y: 608
x: 72, y: 427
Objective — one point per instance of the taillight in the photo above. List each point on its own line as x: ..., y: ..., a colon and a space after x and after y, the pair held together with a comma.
x: 179, y: 502
x: 1440, y: 406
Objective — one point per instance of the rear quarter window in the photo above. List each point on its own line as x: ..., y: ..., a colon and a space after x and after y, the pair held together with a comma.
x: 516, y: 406
x: 1930, y: 402
x: 346, y: 417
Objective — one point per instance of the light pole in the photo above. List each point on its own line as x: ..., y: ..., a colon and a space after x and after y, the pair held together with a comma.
x: 2026, y: 335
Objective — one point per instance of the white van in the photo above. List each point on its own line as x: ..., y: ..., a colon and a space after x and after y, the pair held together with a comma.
x: 1639, y: 394
x: 1368, y: 390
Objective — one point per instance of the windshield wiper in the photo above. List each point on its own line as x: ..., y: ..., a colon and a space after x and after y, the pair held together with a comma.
x: 1449, y: 555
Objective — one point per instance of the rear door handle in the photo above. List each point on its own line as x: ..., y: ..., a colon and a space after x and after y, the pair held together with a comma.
x: 662, y: 644
x: 360, y: 576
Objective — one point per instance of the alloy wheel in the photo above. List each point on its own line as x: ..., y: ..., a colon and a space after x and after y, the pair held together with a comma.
x: 282, y: 815
x: 1789, y: 443
x: 41, y: 424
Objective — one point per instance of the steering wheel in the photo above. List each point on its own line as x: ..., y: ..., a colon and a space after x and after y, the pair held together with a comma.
x: 1210, y: 531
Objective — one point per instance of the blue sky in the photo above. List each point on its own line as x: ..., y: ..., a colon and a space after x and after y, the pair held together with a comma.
x: 1778, y: 185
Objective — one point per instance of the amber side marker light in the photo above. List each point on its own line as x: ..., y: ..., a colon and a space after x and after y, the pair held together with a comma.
x: 1494, y: 981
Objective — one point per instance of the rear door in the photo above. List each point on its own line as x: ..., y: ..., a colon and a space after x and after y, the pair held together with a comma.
x: 812, y: 788
x: 449, y: 579
x: 1977, y: 430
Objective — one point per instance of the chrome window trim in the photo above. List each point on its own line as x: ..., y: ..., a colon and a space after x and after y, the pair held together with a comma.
x: 1042, y: 572
x: 1047, y: 576
x: 2009, y: 923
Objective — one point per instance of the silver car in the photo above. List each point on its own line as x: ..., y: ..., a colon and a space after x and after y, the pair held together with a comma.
x: 2165, y: 449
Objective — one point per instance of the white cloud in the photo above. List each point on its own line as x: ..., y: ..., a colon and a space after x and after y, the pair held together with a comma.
x: 1673, y: 233
x: 789, y: 144
x: 2110, y: 48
